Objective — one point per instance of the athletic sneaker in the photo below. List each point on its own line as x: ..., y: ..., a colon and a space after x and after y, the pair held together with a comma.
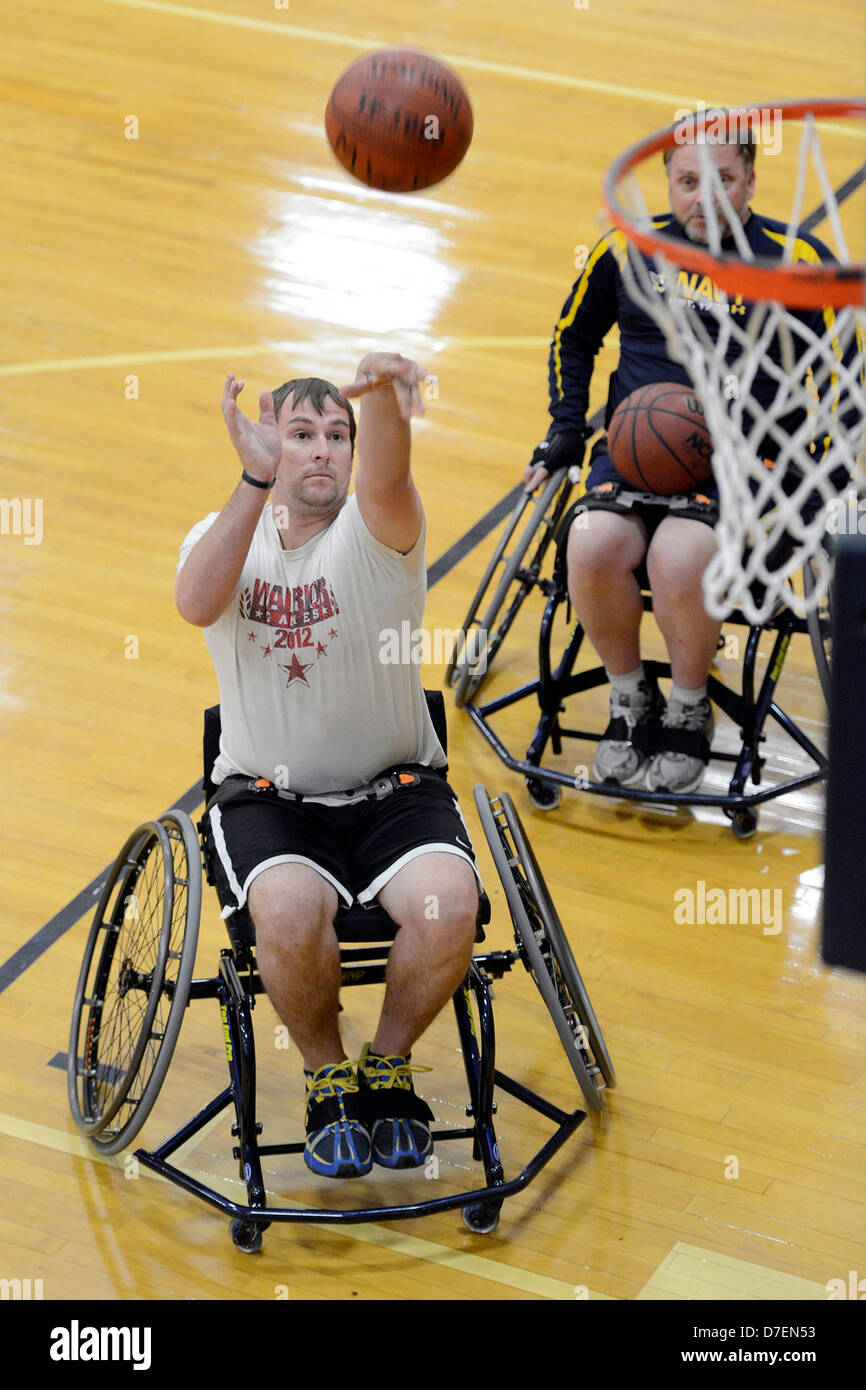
x: 398, y: 1119
x: 338, y: 1141
x: 682, y: 769
x: 617, y: 759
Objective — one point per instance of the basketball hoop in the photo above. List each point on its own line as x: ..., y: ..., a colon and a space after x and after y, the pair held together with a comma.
x: 775, y: 347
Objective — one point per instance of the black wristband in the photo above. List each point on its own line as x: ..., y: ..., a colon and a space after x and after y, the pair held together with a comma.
x: 257, y: 482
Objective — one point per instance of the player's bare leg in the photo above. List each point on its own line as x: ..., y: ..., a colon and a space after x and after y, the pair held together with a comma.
x: 298, y: 956
x: 434, y: 899
x: 678, y: 556
x: 604, y: 549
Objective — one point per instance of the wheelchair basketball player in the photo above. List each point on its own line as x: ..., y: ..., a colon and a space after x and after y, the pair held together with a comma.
x: 330, y: 778
x: 672, y: 540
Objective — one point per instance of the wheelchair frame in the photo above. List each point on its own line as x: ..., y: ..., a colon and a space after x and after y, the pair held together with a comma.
x: 750, y: 708
x: 111, y: 1092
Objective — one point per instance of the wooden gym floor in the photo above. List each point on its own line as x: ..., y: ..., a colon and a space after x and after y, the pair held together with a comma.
x: 172, y: 211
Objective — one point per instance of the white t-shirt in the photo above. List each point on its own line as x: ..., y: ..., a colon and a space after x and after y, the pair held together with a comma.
x: 305, y: 698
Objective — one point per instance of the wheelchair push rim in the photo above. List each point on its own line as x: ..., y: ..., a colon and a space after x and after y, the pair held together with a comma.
x: 544, y: 949
x: 134, y: 981
x: 818, y: 621
x: 466, y: 673
x: 559, y: 941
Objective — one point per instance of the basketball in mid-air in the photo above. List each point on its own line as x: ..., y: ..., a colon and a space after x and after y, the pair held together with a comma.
x: 399, y: 120
x: 659, y: 441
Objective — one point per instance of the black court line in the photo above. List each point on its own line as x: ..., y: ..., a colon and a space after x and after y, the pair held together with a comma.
x: 83, y: 902
x: 70, y: 914
x: 842, y: 192
x: 455, y: 553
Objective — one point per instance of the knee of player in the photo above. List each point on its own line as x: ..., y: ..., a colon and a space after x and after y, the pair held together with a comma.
x: 677, y: 570
x: 598, y: 551
x: 292, y: 926
x: 453, y: 912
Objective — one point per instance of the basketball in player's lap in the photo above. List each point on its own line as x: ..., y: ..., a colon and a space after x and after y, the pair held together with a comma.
x: 651, y: 501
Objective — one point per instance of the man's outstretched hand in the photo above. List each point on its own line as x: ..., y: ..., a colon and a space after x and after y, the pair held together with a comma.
x: 389, y: 369
x: 259, y: 446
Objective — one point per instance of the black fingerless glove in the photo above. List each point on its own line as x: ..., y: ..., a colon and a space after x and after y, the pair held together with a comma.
x: 561, y: 449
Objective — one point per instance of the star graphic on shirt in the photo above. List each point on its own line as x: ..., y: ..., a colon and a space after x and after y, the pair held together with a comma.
x: 333, y: 632
x: 266, y: 651
x: 296, y: 671
x: 321, y: 650
x: 251, y: 637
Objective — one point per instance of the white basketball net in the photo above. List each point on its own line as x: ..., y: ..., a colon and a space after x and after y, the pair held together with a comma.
x: 817, y: 375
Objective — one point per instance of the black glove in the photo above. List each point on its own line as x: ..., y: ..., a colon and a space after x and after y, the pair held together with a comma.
x: 561, y: 449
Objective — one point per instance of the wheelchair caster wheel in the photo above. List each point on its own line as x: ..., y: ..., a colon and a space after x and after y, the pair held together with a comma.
x: 744, y: 824
x: 247, y: 1236
x: 483, y: 1219
x: 546, y: 796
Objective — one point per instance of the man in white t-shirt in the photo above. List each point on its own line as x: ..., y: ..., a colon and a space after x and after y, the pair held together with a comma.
x: 327, y: 781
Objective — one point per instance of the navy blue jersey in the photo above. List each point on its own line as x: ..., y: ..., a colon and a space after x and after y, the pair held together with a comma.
x: 599, y: 299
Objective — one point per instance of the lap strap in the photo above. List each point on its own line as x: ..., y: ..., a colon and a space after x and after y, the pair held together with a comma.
x: 237, y: 786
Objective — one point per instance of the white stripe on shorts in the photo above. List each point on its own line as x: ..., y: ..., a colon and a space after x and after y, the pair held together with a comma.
x: 370, y: 892
x: 240, y: 891
x: 222, y: 850
x: 299, y: 859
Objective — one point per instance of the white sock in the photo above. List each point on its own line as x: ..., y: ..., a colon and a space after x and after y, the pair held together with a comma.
x: 630, y: 682
x: 688, y: 697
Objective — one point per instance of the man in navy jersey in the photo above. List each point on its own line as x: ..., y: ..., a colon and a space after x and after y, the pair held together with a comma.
x: 674, y: 541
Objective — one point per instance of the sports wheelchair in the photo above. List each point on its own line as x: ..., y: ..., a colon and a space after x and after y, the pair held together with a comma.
x: 136, y: 982
x: 509, y: 580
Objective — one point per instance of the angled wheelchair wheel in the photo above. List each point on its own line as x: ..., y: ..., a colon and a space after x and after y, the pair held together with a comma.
x: 501, y: 595
x: 134, y: 981
x: 544, y: 947
x: 819, y: 623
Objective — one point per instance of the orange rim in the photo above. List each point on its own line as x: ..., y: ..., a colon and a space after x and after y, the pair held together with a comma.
x: 800, y: 286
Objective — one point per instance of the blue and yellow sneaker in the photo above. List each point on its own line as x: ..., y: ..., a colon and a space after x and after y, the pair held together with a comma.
x: 338, y: 1141
x: 398, y: 1120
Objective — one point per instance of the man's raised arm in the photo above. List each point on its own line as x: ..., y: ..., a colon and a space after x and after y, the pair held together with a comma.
x: 387, y: 496
x: 213, y: 567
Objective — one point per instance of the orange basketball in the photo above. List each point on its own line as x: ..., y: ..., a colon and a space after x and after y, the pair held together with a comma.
x: 399, y: 120
x: 659, y: 441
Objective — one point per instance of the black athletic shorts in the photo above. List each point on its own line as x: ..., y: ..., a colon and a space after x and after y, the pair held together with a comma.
x: 607, y: 490
x: 357, y: 847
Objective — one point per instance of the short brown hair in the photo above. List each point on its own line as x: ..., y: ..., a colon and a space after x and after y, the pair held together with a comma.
x: 317, y: 392
x: 744, y: 138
